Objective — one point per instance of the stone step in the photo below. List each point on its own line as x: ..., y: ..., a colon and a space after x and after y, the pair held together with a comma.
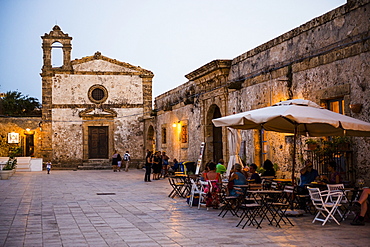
x: 96, y: 164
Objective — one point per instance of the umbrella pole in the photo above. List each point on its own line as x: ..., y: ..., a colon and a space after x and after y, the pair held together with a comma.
x: 294, y: 163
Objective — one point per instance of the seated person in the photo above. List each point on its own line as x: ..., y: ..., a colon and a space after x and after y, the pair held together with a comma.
x: 174, y: 167
x: 308, y: 174
x: 359, y: 220
x: 237, y: 177
x: 269, y: 168
x: 212, y: 198
x: 220, y: 167
x: 204, y: 173
x: 334, y: 176
x: 254, y: 176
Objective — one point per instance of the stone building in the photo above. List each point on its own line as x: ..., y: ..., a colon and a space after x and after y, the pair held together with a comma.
x: 326, y: 60
x: 91, y: 106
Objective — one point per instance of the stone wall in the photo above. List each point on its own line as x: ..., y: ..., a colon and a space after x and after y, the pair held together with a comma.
x: 193, y: 104
x: 326, y: 58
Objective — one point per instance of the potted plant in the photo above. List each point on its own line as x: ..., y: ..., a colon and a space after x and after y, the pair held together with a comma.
x: 312, y: 144
x: 341, y: 142
x: 8, y: 169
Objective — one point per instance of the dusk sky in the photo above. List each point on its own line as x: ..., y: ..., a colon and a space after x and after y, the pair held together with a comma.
x: 169, y: 38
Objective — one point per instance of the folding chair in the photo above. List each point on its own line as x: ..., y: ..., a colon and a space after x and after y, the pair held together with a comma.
x: 204, y: 185
x: 325, y: 208
x: 194, y: 191
x: 250, y: 209
x: 280, y: 205
x: 344, y: 202
x: 177, y: 187
x: 231, y: 203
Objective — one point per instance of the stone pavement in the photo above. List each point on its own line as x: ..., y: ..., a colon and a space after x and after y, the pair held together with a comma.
x: 102, y: 208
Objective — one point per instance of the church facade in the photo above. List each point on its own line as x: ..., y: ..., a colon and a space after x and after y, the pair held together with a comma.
x: 91, y: 106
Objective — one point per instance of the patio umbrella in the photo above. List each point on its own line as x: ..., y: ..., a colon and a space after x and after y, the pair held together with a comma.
x: 234, y: 139
x: 298, y: 116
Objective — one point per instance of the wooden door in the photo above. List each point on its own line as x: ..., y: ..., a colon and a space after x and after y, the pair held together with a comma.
x: 98, y: 142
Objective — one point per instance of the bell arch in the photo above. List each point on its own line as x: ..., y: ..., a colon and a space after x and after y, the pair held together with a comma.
x: 56, y: 36
x: 214, y: 148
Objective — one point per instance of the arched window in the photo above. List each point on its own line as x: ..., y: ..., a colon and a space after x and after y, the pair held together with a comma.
x: 57, y: 55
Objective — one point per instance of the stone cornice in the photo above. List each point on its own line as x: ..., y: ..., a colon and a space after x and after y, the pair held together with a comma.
x: 102, y: 113
x: 102, y: 106
x: 351, y: 4
x: 208, y: 68
x: 56, y: 33
x: 98, y: 56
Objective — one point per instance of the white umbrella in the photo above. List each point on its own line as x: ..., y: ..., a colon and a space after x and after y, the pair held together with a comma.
x: 299, y: 117
x: 234, y: 139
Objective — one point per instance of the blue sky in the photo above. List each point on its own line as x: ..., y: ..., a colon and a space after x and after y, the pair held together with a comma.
x: 169, y: 37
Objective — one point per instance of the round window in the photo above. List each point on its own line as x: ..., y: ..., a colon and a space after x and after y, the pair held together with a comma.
x: 98, y: 94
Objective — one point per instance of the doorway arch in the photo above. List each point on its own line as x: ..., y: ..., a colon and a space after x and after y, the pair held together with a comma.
x: 150, y: 140
x: 214, y: 147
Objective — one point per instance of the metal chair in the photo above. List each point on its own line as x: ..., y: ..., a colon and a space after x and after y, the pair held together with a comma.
x: 324, y: 206
x: 344, y: 202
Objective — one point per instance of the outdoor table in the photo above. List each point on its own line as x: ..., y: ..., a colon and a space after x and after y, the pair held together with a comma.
x: 320, y: 185
x: 282, y: 182
x: 268, y: 211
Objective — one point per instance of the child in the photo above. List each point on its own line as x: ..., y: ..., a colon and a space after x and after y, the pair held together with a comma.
x: 48, y: 167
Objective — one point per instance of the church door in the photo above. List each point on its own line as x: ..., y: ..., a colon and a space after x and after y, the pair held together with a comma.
x: 98, y: 142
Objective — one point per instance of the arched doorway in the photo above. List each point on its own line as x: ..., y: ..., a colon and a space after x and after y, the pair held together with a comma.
x: 214, y: 149
x: 150, y: 140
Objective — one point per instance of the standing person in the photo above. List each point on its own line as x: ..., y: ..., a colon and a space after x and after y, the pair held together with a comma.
x: 119, y: 162
x: 127, y: 159
x: 157, y: 165
x: 148, y: 166
x: 48, y: 167
x: 165, y: 159
x: 115, y: 158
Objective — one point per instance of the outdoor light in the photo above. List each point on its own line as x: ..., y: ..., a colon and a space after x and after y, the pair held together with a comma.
x: 174, y: 125
x: 355, y: 108
x: 29, y: 132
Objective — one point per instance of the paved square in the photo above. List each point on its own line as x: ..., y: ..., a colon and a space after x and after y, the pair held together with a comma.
x: 105, y: 208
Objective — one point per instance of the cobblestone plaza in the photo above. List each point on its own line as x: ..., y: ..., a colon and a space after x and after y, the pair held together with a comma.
x: 102, y: 208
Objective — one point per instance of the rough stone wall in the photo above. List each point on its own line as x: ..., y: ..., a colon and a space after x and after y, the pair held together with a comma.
x: 19, y: 125
x: 323, y: 59
x: 73, y: 89
x: 326, y: 58
x: 193, y: 103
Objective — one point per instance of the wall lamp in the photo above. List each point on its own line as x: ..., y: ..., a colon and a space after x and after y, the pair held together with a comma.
x: 355, y: 108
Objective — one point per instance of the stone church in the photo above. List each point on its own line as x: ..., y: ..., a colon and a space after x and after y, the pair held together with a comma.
x: 91, y: 106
